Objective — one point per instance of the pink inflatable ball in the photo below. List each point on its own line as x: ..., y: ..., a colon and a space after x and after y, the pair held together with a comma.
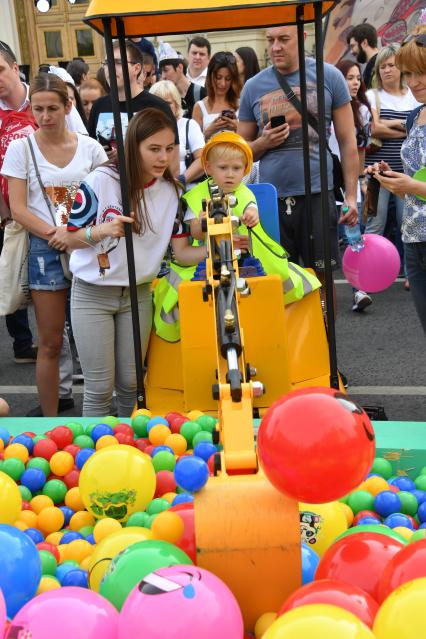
x: 181, y: 602
x: 375, y: 267
x: 66, y: 613
x: 2, y: 613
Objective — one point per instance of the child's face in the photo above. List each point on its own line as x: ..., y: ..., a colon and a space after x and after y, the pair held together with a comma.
x: 227, y: 174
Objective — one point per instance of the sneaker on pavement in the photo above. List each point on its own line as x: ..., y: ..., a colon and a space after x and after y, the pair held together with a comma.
x: 28, y: 356
x: 361, y: 301
x: 64, y: 404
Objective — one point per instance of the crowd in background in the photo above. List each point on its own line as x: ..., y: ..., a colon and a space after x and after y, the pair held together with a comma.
x: 203, y: 94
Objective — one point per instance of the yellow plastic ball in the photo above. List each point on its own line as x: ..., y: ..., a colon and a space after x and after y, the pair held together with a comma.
x: 142, y: 411
x: 402, y: 614
x: 47, y: 582
x: 73, y: 499
x: 169, y: 496
x: 158, y: 434
x: 50, y: 520
x: 405, y: 532
x: 194, y: 414
x: 21, y: 525
x: 106, y: 440
x: 61, y: 463
x: 105, y: 527
x: 28, y: 517
x: 168, y: 526
x: 1, y: 445
x: 10, y: 500
x: 54, y: 538
x: 40, y: 502
x: 80, y: 519
x: 177, y: 443
x: 375, y: 485
x: 263, y: 623
x: 348, y: 513
x: 85, y: 563
x: 62, y: 550
x: 78, y: 550
x: 19, y: 451
x: 329, y: 522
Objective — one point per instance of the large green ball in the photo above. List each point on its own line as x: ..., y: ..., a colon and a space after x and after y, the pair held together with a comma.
x: 128, y: 568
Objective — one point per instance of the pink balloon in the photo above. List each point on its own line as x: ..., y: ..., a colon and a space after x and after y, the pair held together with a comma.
x: 2, y: 613
x: 68, y: 613
x: 375, y: 267
x: 180, y: 602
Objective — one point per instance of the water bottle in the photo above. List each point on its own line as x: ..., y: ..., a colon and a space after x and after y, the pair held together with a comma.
x: 353, y: 234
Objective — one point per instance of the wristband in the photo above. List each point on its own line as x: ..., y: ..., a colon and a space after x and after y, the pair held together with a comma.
x: 89, y: 238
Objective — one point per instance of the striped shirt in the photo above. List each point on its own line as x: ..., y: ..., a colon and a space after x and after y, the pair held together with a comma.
x: 392, y: 107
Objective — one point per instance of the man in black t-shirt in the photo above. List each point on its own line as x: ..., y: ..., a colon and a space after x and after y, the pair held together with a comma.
x: 101, y: 121
x: 362, y: 41
x: 173, y: 67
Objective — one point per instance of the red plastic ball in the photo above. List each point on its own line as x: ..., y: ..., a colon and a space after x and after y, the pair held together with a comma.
x: 29, y: 433
x: 72, y: 449
x: 148, y: 450
x: 172, y: 415
x: 26, y: 505
x: 71, y: 479
x: 44, y: 545
x: 123, y: 438
x: 415, y: 525
x: 358, y: 559
x: 62, y: 436
x: 365, y: 513
x: 408, y: 564
x: 334, y: 593
x: 45, y: 448
x: 141, y: 443
x: 187, y: 541
x: 176, y: 423
x: 124, y: 428
x: 316, y: 445
x: 166, y: 483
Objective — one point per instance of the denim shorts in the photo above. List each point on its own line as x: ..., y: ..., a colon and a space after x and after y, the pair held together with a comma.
x: 45, y: 271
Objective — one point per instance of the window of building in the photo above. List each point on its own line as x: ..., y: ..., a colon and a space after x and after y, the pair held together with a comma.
x: 53, y: 42
x: 84, y: 39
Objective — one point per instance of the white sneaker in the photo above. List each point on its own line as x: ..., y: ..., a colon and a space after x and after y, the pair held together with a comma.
x: 361, y: 301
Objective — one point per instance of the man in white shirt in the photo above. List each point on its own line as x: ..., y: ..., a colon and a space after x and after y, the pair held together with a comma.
x: 199, y: 51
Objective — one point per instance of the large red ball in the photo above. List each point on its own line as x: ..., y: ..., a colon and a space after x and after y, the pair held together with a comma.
x: 316, y: 445
x: 408, y: 564
x: 187, y: 541
x: 335, y: 593
x: 358, y: 559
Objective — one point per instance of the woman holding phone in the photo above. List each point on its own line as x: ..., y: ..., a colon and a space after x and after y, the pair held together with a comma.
x: 218, y: 111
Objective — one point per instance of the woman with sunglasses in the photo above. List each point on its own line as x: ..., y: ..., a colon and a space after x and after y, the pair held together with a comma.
x: 411, y: 60
x: 218, y: 110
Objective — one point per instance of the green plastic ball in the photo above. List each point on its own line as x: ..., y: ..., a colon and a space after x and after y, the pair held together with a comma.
x: 26, y: 493
x: 189, y: 430
x: 86, y: 530
x: 207, y: 422
x: 48, y: 563
x: 38, y: 438
x: 41, y: 463
x: 56, y: 490
x: 157, y: 506
x: 76, y: 428
x: 409, y: 503
x: 13, y: 467
x: 139, y: 425
x: 110, y: 420
x: 139, y: 519
x: 419, y: 534
x: 202, y: 436
x: 360, y: 500
x: 382, y: 467
x: 88, y: 428
x: 163, y: 461
x: 420, y: 482
x: 84, y: 441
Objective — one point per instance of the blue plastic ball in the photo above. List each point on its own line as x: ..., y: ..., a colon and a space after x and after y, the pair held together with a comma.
x: 423, y: 525
x: 82, y: 457
x: 34, y: 534
x: 365, y: 521
x: 65, y: 567
x: 33, y: 478
x: 386, y: 503
x: 310, y: 561
x: 205, y: 450
x: 4, y: 435
x: 404, y: 483
x: 420, y: 495
x: 76, y: 577
x: 421, y: 513
x: 100, y: 430
x: 158, y: 449
x: 71, y: 535
x: 154, y: 421
x: 25, y: 440
x: 398, y: 519
x: 182, y: 498
x: 68, y: 513
x: 191, y: 473
x: 90, y: 538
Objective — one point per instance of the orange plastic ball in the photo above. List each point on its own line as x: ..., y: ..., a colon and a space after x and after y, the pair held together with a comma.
x: 80, y: 519
x: 177, y: 443
x: 1, y: 445
x: 54, y: 538
x: 375, y: 485
x: 168, y: 526
x: 29, y: 517
x: 40, y: 502
x: 21, y: 525
x: 106, y: 440
x: 158, y: 434
x: 78, y: 550
x: 47, y: 582
x: 105, y: 527
x: 62, y: 550
x: 73, y: 499
x: 50, y: 520
x: 61, y: 463
x: 16, y: 450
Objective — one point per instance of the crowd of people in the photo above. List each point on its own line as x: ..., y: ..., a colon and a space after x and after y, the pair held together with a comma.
x: 198, y: 117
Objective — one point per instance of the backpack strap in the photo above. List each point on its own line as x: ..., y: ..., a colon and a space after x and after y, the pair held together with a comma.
x: 197, y: 92
x: 411, y: 117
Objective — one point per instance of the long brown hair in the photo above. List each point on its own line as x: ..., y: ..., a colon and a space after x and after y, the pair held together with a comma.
x: 50, y: 82
x: 344, y: 66
x: 142, y: 126
x: 224, y: 60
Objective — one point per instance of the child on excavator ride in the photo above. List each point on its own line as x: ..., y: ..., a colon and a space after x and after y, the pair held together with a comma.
x: 226, y: 159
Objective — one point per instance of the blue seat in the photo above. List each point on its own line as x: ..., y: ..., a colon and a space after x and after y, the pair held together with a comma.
x: 267, y: 202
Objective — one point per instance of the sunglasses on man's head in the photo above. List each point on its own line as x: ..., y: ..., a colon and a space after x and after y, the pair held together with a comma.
x: 419, y: 39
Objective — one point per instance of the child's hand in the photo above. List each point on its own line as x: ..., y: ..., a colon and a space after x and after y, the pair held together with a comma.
x: 250, y: 217
x: 115, y: 228
x: 241, y: 242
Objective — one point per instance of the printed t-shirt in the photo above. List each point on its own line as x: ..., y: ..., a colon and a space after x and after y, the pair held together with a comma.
x: 262, y: 98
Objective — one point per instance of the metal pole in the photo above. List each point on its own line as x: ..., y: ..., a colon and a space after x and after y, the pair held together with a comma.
x: 140, y: 390
x: 125, y: 68
x: 305, y: 130
x: 331, y: 332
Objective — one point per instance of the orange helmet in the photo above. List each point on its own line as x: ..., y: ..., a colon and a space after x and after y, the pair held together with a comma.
x: 229, y: 137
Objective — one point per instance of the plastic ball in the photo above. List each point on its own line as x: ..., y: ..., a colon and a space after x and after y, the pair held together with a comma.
x: 382, y: 467
x: 41, y: 463
x: 40, y: 502
x: 191, y: 473
x: 168, y: 526
x: 139, y: 425
x: 182, y: 498
x: 141, y: 519
x: 360, y: 500
x: 13, y: 467
x: 189, y: 430
x: 321, y: 524
x: 408, y: 564
x: 69, y: 536
x: 163, y: 460
x: 405, y: 532
x: 401, y: 616
x: 25, y: 440
x: 337, y: 435
x: 78, y: 549
x: 386, y: 503
x: 398, y: 519
x: 190, y: 606
x: 65, y: 567
x: 48, y: 563
x: 100, y: 430
x: 47, y: 583
x: 45, y: 448
x: 54, y: 538
x: 10, y: 500
x: 73, y: 499
x: 156, y: 421
x: 207, y: 422
x: 263, y: 623
x: 106, y: 440
x: 105, y: 527
x: 34, y: 479
x: 61, y: 463
x: 84, y: 441
x: 158, y: 433
x: 165, y: 483
x: 75, y: 577
x: 4, y: 435
x: 409, y: 503
x: 375, y: 485
x: 72, y: 479
x: 35, y: 535
x: 56, y: 490
x: 204, y: 449
x: 81, y: 518
x: 157, y: 505
x: 29, y: 517
x: 420, y: 482
x: 25, y: 493
x: 177, y: 443
x: 310, y: 561
x: 82, y: 456
x: 50, y: 520
x: 19, y: 451
x: 117, y: 481
x: 421, y: 513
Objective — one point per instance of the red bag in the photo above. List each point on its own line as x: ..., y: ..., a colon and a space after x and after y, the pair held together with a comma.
x: 13, y: 125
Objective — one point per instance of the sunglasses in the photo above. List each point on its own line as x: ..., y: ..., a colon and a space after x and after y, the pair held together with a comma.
x: 419, y: 39
x: 223, y: 56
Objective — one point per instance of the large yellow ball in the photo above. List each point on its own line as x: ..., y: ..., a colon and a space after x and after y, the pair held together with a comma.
x: 109, y: 547
x: 263, y: 623
x: 402, y: 614
x: 117, y: 481
x: 10, y: 500
x: 321, y: 524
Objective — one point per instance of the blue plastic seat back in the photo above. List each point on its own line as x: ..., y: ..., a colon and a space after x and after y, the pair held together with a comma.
x: 267, y: 202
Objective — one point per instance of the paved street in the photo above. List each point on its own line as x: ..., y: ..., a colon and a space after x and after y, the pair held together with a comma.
x: 382, y: 352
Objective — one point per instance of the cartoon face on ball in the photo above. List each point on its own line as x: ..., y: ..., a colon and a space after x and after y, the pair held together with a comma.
x: 352, y: 407
x: 183, y: 582
x: 112, y: 505
x: 310, y: 525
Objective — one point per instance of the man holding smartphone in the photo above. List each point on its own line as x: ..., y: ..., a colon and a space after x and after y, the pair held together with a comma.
x: 270, y: 120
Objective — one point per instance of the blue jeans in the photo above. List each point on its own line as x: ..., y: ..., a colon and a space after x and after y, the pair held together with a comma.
x: 377, y: 223
x: 415, y: 260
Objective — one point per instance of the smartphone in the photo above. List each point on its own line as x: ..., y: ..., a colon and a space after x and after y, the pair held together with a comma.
x: 383, y: 173
x: 104, y: 142
x: 277, y: 120
x: 228, y: 113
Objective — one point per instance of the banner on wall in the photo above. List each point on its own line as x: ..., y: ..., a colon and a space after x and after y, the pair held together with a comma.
x: 393, y: 19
